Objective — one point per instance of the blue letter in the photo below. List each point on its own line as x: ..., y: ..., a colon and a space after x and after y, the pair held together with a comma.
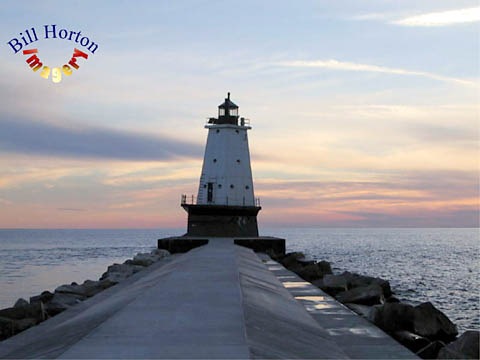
x: 51, y: 31
x: 17, y: 43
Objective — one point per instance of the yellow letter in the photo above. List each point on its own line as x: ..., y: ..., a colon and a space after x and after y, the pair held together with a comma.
x: 67, y: 70
x: 45, y: 72
x: 56, y: 75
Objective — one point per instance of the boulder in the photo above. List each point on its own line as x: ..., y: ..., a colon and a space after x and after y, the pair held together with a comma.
x: 274, y: 255
x: 21, y: 312
x: 71, y: 289
x: 366, y: 295
x: 324, y: 267
x: 9, y: 327
x: 6, y: 328
x: 333, y: 284
x: 113, y: 278
x: 61, y: 302
x: 309, y: 272
x: 431, y: 350
x: 291, y: 259
x: 160, y: 253
x: 355, y: 280
x: 87, y: 289
x: 392, y: 317
x: 410, y: 340
x: 119, y: 272
x: 465, y: 347
x: 432, y: 323
x: 94, y: 287
x: 144, y: 259
x: 44, y: 297
x: 21, y: 302
x: 362, y: 310
x: 392, y: 299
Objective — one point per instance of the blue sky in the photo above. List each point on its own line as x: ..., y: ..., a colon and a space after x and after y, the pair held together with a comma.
x: 364, y: 113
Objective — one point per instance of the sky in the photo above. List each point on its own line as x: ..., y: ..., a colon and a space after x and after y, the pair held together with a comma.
x: 363, y: 113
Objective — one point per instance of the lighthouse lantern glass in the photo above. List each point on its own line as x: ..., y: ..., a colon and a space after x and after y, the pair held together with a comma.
x: 233, y: 112
x: 221, y: 112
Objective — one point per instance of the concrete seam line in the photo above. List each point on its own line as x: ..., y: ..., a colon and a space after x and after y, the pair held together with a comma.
x: 236, y: 248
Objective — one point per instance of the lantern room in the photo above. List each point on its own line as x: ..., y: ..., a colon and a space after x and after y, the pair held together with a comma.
x: 227, y: 112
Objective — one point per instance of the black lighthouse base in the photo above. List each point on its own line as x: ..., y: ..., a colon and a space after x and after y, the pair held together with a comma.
x: 222, y: 220
x: 210, y: 221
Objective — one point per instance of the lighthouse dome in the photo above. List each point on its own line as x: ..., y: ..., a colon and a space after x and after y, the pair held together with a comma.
x: 227, y: 112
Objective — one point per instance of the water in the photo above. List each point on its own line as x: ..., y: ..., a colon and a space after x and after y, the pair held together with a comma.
x: 437, y: 265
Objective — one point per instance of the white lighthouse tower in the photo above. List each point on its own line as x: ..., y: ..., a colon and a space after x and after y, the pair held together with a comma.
x: 225, y: 205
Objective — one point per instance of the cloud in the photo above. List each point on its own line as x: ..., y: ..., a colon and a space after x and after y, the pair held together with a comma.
x: 429, y: 198
x: 350, y: 66
x: 19, y: 136
x: 443, y: 18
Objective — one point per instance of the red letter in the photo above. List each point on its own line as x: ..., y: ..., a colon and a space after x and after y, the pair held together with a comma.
x: 32, y: 51
x: 73, y: 62
x: 34, y: 60
x: 77, y: 53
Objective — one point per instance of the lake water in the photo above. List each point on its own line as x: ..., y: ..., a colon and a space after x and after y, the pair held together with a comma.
x: 437, y: 265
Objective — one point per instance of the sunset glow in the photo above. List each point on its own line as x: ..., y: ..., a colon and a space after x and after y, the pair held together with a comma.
x: 377, y: 128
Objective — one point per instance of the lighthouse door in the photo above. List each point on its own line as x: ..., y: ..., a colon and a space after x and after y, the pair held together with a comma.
x: 210, y: 192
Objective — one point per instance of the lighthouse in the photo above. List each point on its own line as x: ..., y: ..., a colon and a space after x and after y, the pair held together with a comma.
x: 225, y: 204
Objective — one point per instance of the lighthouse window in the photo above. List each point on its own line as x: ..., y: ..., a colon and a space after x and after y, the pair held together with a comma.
x: 205, y: 185
x: 214, y: 160
x: 219, y: 186
x: 236, y: 131
x: 218, y: 131
x: 247, y: 187
x: 238, y: 161
x: 231, y: 186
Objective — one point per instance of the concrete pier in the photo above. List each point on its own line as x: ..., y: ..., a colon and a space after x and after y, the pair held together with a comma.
x: 219, y: 300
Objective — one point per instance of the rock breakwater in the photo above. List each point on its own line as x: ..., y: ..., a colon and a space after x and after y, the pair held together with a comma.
x: 423, y: 329
x: 25, y: 314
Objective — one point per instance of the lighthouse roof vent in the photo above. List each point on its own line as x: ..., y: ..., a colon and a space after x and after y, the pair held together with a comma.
x: 228, y: 104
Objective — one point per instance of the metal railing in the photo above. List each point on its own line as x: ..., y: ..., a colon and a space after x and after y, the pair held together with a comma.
x: 193, y: 200
x: 242, y: 121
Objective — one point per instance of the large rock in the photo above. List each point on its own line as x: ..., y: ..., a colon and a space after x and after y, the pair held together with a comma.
x: 332, y: 284
x: 355, y: 280
x: 61, y: 302
x: 432, y: 323
x: 324, y: 267
x: 10, y: 327
x: 465, y: 347
x: 367, y: 295
x: 410, y: 340
x: 88, y: 289
x: 312, y: 270
x: 309, y: 273
x: 144, y: 259
x: 71, y: 289
x: 392, y: 317
x: 362, y: 310
x: 291, y: 259
x: 21, y: 312
x: 21, y: 302
x: 44, y: 297
x: 118, y: 272
x: 94, y: 287
x: 6, y: 328
x: 160, y: 253
x: 431, y: 350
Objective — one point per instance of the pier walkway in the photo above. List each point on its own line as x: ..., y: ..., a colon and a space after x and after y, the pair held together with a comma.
x: 216, y: 301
